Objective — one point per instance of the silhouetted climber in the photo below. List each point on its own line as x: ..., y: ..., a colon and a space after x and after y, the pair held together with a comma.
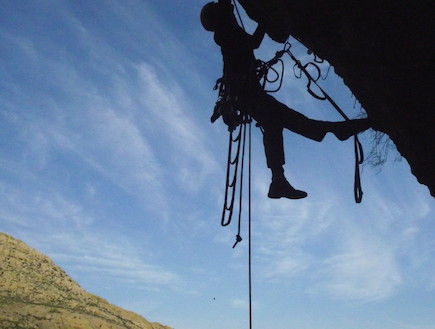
x: 244, y: 92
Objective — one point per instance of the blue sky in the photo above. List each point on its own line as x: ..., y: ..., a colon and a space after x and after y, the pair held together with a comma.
x: 110, y: 166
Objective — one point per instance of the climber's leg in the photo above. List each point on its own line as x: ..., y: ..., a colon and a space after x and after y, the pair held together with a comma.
x: 273, y: 146
x: 274, y: 149
x: 316, y: 130
x: 280, y: 114
x: 276, y: 113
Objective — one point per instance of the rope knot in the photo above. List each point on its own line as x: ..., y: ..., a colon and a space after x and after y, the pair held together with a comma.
x: 238, y: 239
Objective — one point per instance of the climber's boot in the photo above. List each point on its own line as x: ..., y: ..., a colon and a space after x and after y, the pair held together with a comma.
x: 281, y: 188
x: 345, y: 129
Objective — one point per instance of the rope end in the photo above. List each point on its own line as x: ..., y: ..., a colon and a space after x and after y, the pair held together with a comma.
x: 238, y: 239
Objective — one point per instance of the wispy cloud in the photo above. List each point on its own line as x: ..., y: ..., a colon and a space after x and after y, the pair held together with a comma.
x: 116, y: 117
x: 366, y: 253
x: 168, y: 114
x: 285, y: 230
x: 366, y: 270
x: 113, y: 258
x: 66, y: 232
x: 240, y: 304
x: 243, y: 304
x: 409, y: 325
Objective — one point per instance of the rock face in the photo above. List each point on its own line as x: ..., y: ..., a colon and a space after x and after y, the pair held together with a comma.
x: 383, y: 50
x: 37, y: 294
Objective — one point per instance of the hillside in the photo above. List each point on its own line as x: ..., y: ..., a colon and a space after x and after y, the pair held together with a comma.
x: 37, y: 294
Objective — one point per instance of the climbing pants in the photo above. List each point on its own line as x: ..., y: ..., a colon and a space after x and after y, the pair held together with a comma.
x: 273, y: 117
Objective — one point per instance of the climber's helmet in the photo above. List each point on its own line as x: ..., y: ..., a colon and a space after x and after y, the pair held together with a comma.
x: 210, y: 16
x: 214, y: 14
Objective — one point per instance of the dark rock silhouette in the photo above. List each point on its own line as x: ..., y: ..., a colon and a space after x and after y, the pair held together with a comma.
x: 383, y: 50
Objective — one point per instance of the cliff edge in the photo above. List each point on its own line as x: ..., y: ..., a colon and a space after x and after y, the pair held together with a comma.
x: 384, y: 52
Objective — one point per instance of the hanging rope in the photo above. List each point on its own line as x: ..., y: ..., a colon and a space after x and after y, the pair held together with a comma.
x: 358, y: 149
x: 235, y: 162
x: 231, y: 180
x: 238, y: 15
x: 232, y: 177
x: 249, y: 230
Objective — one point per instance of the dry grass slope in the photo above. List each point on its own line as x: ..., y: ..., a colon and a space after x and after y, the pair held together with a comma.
x: 37, y: 294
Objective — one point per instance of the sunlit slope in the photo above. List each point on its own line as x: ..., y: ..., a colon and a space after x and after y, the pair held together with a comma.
x: 37, y: 294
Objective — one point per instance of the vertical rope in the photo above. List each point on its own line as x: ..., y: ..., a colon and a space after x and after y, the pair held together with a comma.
x: 238, y: 14
x: 359, y: 159
x: 243, y: 141
x: 249, y: 229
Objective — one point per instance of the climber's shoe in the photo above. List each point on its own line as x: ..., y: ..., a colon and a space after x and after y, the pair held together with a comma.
x: 345, y: 129
x: 281, y: 188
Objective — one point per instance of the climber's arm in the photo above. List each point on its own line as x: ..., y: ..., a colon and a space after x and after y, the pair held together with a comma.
x: 258, y: 36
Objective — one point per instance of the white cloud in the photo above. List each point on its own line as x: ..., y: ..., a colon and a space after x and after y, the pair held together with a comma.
x: 240, y: 304
x: 284, y: 229
x: 24, y: 44
x: 288, y: 266
x: 113, y: 259
x: 121, y: 151
x: 366, y: 271
x: 171, y: 113
x: 66, y: 232
x: 404, y: 325
x: 114, y: 113
x: 33, y: 208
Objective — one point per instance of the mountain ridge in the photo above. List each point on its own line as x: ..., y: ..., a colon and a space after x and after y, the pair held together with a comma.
x: 35, y: 293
